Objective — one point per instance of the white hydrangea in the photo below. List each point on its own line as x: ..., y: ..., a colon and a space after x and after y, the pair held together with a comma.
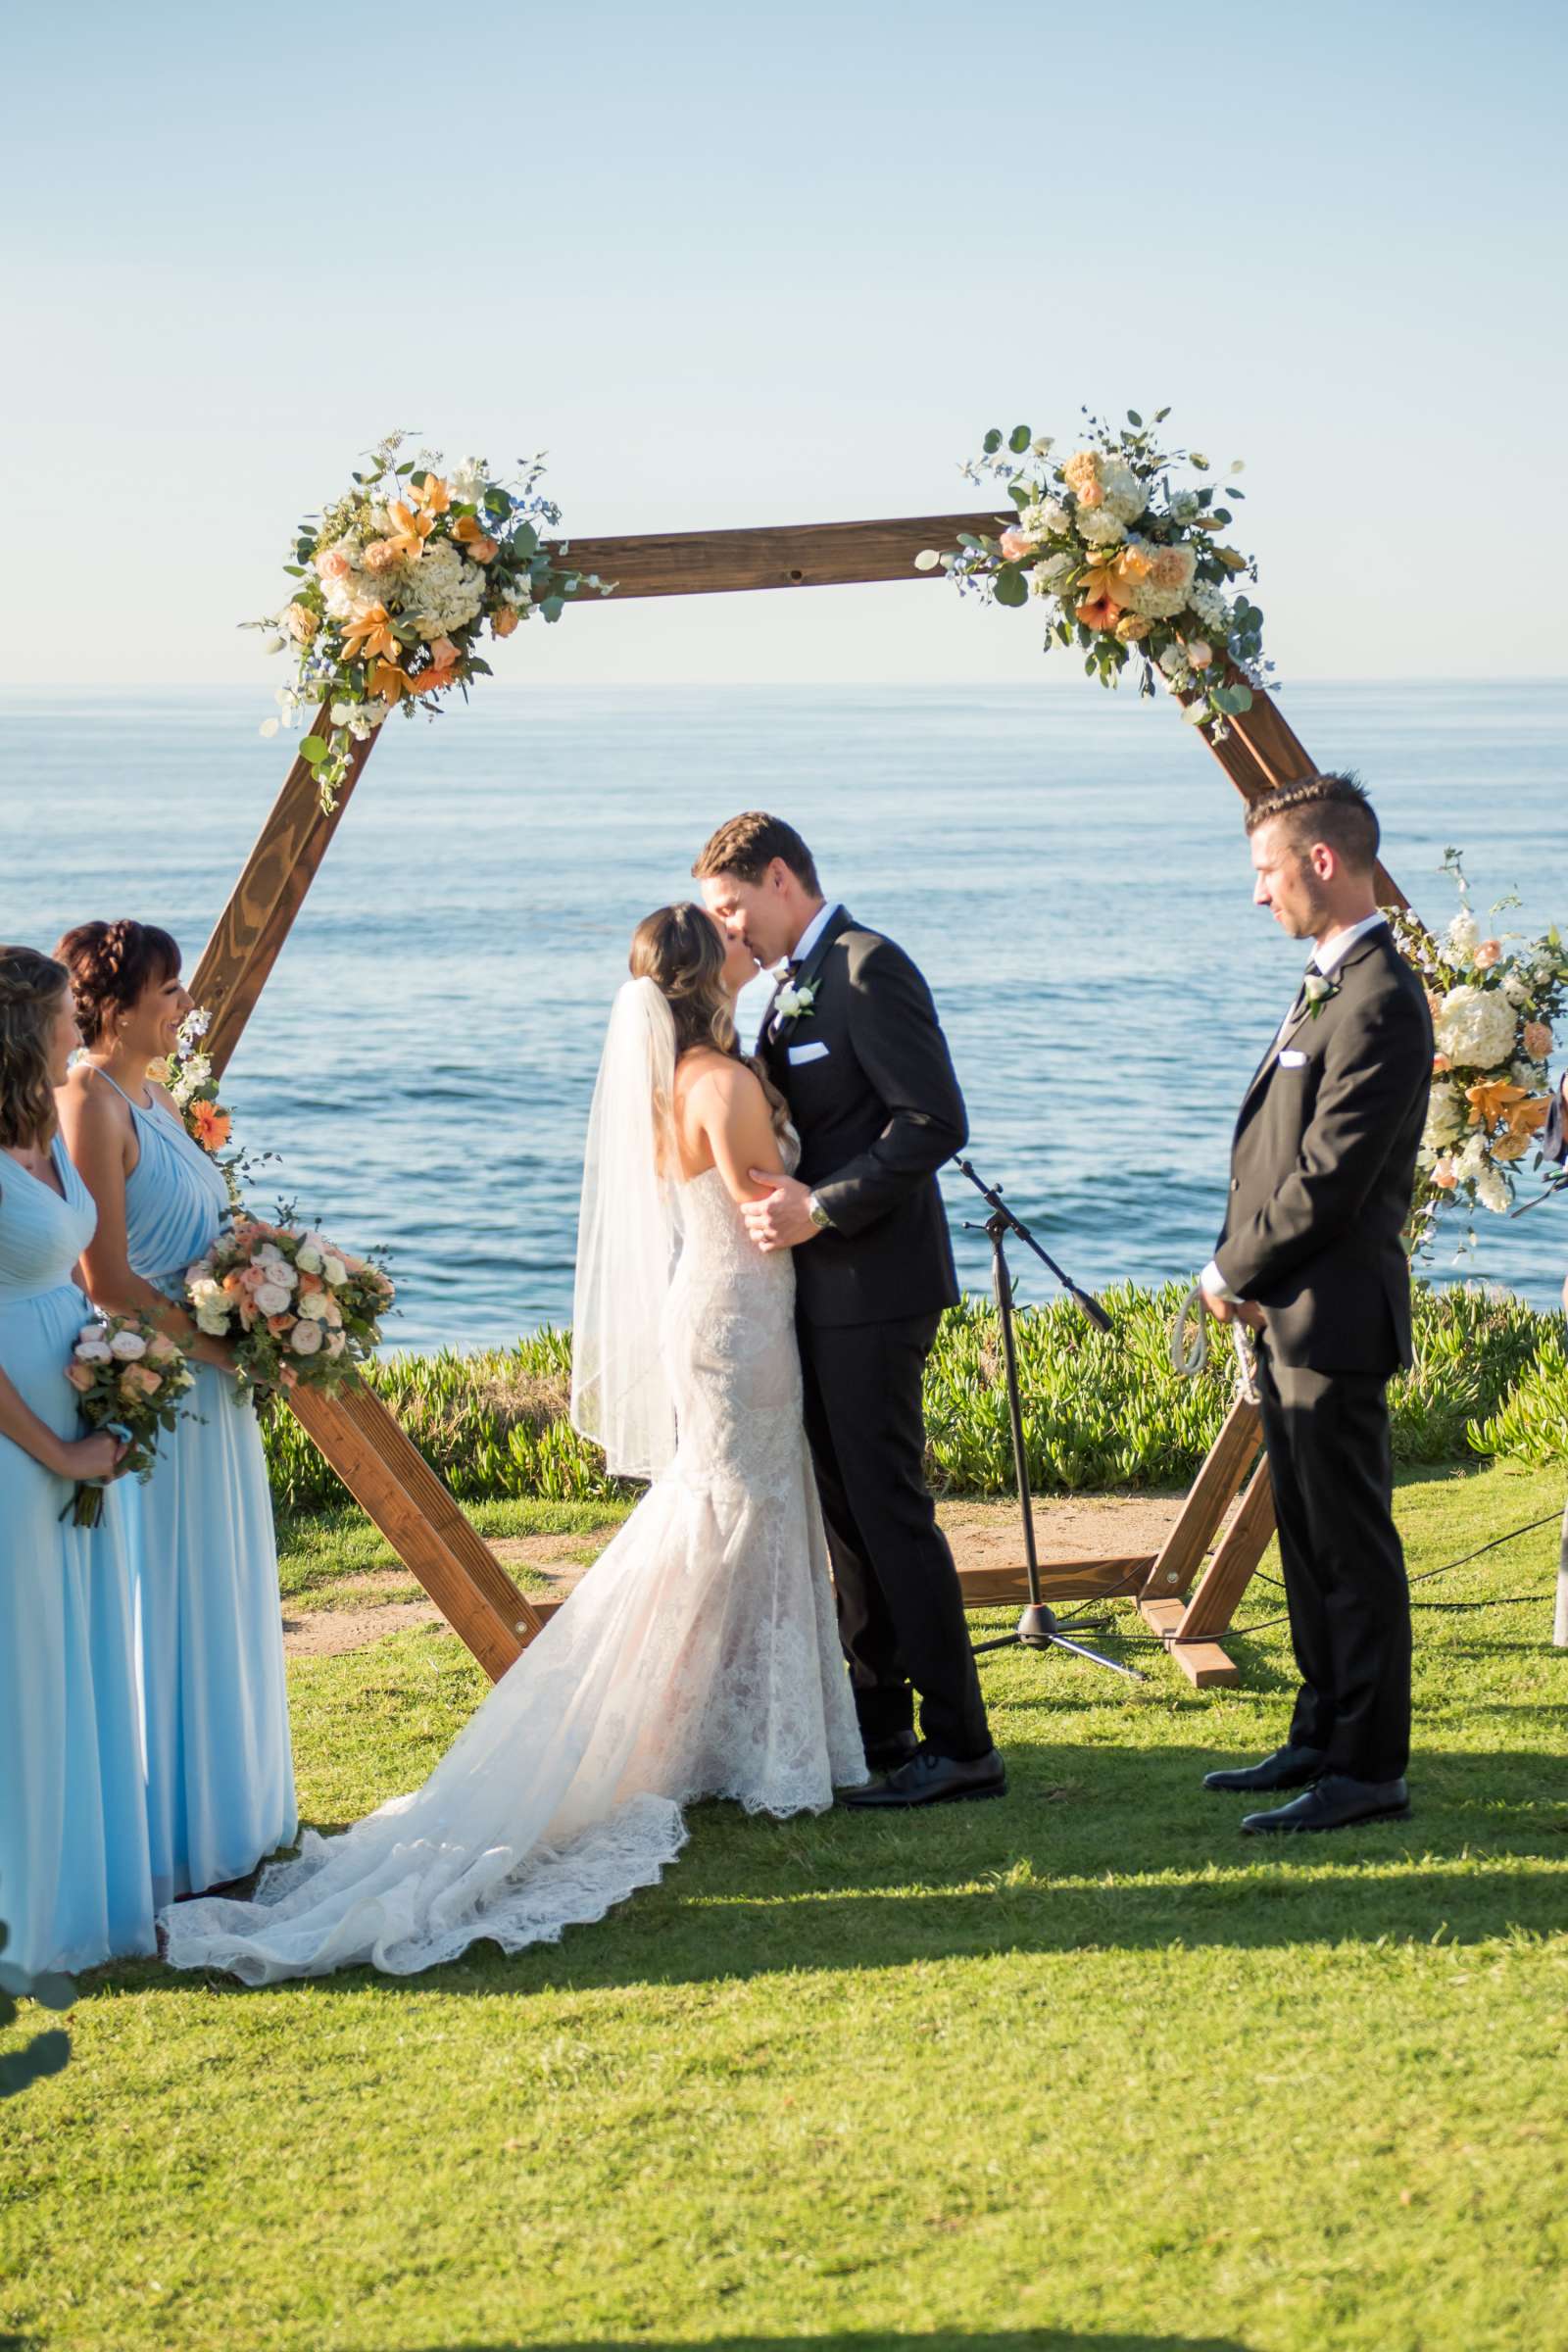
x: 1475, y: 1027
x: 1049, y: 519
x: 1211, y: 606
x: 1473, y: 1158
x: 1491, y: 1191
x: 445, y: 593
x: 1051, y: 576
x: 1516, y: 987
x: 1184, y: 507
x: 1123, y: 493
x: 1446, y: 1115
x: 1463, y: 936
x: 1155, y: 604
x: 469, y: 480
x: 1099, y: 527
x: 1172, y: 660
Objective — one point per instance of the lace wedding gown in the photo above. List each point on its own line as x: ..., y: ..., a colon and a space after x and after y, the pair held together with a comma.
x: 699, y: 1657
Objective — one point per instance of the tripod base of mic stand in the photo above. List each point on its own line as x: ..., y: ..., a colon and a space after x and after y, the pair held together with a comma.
x: 1036, y: 1628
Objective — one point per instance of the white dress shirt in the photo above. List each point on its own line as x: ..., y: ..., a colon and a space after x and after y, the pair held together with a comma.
x: 1325, y: 960
x: 812, y: 933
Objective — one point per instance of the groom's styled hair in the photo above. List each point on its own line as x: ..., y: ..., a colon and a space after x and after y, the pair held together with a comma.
x: 1330, y: 809
x: 747, y: 846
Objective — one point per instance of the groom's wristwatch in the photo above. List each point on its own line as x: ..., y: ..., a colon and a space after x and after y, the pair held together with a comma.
x: 818, y: 1214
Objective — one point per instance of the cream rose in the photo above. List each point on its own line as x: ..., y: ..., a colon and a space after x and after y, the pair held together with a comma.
x: 305, y: 1337
x: 128, y: 1345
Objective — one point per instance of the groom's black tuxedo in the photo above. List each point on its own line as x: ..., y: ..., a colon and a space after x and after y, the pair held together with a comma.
x: 1322, y: 1171
x: 871, y: 1086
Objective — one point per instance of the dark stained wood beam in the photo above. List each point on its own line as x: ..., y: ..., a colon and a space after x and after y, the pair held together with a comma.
x: 790, y: 555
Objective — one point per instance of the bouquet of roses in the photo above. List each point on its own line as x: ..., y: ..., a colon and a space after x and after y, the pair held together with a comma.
x: 128, y: 1376
x: 296, y: 1306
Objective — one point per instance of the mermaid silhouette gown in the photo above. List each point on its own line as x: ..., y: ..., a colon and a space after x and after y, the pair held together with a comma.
x: 219, y: 1767
x: 75, y: 1887
x: 699, y: 1657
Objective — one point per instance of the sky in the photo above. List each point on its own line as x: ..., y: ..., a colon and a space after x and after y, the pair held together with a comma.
x: 736, y: 265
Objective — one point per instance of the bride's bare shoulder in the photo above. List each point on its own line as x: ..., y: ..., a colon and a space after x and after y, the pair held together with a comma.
x: 705, y: 1068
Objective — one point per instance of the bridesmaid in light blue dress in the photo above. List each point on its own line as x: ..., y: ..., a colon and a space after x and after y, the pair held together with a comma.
x: 219, y: 1768
x: 75, y: 1885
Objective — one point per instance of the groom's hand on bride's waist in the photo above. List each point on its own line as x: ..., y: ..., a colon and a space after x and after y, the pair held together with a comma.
x: 784, y: 1219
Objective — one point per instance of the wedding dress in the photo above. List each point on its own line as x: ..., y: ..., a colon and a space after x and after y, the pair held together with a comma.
x: 699, y: 1657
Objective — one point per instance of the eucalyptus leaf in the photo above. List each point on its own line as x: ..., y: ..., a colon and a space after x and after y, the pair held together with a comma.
x: 313, y: 751
x: 991, y: 442
x: 1018, y: 439
x: 1133, y: 417
x: 1011, y: 587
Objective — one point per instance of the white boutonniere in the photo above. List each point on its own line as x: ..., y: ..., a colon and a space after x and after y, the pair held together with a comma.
x: 797, y: 1003
x: 1318, y: 988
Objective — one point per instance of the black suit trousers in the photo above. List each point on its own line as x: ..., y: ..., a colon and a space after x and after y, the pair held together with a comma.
x: 1330, y: 1458
x: 900, y: 1610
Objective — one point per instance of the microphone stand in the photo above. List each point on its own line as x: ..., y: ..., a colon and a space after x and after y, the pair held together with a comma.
x: 1039, y: 1627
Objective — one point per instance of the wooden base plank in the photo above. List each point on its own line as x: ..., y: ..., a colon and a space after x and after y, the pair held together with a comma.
x: 1060, y: 1580
x: 1204, y: 1664
x: 420, y: 1517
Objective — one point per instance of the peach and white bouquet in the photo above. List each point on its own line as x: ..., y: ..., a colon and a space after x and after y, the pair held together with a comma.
x: 1129, y: 563
x: 396, y: 585
x: 1496, y: 1002
x: 297, y: 1307
x: 129, y: 1377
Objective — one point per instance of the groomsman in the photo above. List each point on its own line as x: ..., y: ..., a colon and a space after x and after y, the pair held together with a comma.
x: 1322, y: 1172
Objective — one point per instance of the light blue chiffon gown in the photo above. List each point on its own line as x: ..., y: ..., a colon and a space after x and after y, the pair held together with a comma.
x: 219, y: 1768
x: 76, y: 1883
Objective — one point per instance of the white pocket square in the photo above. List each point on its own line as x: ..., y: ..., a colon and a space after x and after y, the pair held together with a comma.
x: 1291, y: 1058
x: 817, y: 1052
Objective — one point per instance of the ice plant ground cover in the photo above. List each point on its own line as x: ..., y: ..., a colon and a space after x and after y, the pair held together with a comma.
x: 396, y: 585
x: 1077, y: 2071
x: 1129, y: 561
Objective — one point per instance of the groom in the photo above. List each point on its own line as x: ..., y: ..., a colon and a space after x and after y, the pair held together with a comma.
x: 853, y: 1043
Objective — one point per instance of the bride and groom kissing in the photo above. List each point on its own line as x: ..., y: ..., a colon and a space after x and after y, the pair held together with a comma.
x: 762, y: 1264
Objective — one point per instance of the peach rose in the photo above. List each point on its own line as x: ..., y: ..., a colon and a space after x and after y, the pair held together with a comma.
x: 80, y: 1375
x: 302, y: 624
x: 484, y: 548
x: 1198, y: 654
x: 162, y: 1349
x: 380, y: 554
x: 333, y: 566
x: 139, y: 1379
x: 443, y: 653
x: 1131, y: 629
x: 1440, y: 1063
x: 1445, y: 1175
x: 1538, y: 1040
x: 278, y: 1324
x: 1015, y: 544
x: 1488, y: 953
x: 502, y: 624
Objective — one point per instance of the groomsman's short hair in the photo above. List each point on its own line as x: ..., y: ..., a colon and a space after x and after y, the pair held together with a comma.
x: 747, y: 846
x: 1330, y: 809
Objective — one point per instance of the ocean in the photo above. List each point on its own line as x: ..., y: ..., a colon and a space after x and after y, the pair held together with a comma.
x: 1067, y: 866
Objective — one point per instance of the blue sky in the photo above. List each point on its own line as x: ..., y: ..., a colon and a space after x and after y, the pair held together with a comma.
x: 736, y: 265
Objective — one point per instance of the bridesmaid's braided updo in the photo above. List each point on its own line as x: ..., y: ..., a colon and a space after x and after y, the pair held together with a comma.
x: 110, y: 964
x: 30, y: 988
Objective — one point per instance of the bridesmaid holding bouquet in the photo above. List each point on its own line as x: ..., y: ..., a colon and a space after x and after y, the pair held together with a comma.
x: 75, y: 1885
x: 219, y: 1768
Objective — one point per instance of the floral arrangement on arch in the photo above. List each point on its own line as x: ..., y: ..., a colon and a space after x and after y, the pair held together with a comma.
x: 398, y: 583
x: 1128, y: 564
x: 1493, y: 1006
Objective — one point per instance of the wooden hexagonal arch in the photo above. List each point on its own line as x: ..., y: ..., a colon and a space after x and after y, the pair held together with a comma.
x: 1187, y: 1591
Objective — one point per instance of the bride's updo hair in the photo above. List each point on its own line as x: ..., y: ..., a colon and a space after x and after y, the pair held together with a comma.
x: 682, y: 951
x: 110, y: 964
x: 30, y: 989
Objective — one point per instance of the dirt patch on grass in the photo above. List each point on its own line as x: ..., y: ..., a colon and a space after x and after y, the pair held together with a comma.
x: 983, y: 1535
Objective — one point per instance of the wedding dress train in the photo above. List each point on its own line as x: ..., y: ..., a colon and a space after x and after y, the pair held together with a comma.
x: 699, y: 1657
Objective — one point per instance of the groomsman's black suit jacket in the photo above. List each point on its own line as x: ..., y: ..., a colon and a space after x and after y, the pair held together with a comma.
x: 872, y: 1094
x: 1323, y: 1166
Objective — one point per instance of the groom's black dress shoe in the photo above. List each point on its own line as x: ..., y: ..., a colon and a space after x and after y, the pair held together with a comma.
x: 1286, y: 1768
x: 886, y: 1755
x: 932, y: 1779
x: 1333, y: 1803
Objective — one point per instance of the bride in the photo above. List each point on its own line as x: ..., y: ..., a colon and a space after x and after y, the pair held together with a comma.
x: 699, y: 1657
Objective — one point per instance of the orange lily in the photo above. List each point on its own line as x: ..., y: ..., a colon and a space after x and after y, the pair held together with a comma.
x: 389, y: 682
x: 409, y: 531
x: 1526, y: 1117
x: 1100, y: 585
x: 433, y: 495
x: 1491, y: 1100
x: 433, y: 681
x: 370, y: 635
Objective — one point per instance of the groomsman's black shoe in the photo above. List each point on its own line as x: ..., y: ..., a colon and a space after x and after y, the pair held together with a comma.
x: 1334, y: 1803
x: 932, y: 1779
x: 1286, y: 1768
x: 886, y: 1755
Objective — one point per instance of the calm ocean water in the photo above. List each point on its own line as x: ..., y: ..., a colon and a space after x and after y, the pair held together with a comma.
x: 1067, y: 866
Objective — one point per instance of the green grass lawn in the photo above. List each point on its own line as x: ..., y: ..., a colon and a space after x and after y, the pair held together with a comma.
x: 1079, y: 2069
